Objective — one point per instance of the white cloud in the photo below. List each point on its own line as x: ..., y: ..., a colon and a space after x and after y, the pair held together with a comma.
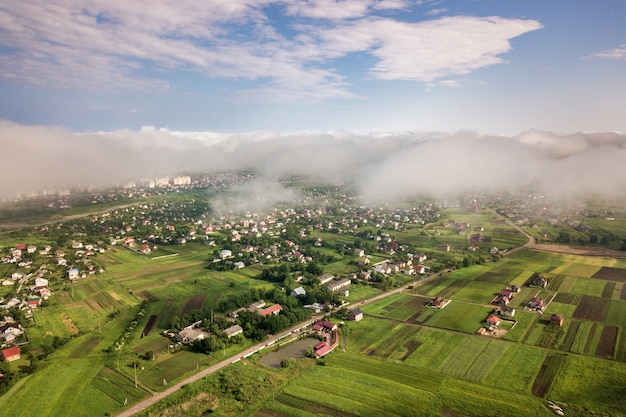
x: 615, y: 53
x: 105, y: 45
x: 429, y: 50
x: 436, y: 12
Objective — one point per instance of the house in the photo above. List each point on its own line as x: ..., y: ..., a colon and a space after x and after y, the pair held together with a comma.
x: 537, y: 304
x: 325, y: 278
x: 322, y: 349
x: 10, y: 331
x: 506, y: 293
x: 73, y: 274
x: 419, y: 269
x: 34, y: 303
x: 226, y: 253
x: 339, y: 284
x: 297, y: 292
x: 493, y: 320
x: 420, y: 257
x: 359, y: 252
x: 507, y: 311
x: 239, y: 265
x: 494, y: 251
x: 444, y: 247
x: 235, y: 314
x: 233, y: 331
x: 383, y: 268
x: 315, y: 308
x: 188, y: 335
x: 41, y: 282
x: 439, y: 302
x: 515, y: 288
x: 539, y: 281
x: 408, y: 271
x: 355, y: 315
x: 145, y: 248
x: 324, y: 326
x: 556, y: 320
x: 11, y: 354
x: 257, y: 305
x: 273, y: 309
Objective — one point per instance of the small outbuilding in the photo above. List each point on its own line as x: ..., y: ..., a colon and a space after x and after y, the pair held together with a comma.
x: 556, y: 320
x: 355, y: 315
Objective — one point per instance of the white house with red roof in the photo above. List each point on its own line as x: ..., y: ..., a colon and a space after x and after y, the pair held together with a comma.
x: 11, y: 354
x: 273, y: 309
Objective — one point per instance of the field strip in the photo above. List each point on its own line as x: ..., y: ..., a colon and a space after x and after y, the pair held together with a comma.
x: 163, y: 256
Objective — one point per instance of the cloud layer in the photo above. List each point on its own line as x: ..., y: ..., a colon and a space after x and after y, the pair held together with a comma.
x: 382, y: 165
x: 287, y: 49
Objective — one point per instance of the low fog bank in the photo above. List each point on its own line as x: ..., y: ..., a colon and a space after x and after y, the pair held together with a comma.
x: 253, y: 197
x: 382, y: 165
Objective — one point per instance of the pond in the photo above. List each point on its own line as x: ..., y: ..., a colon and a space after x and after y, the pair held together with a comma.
x: 294, y: 350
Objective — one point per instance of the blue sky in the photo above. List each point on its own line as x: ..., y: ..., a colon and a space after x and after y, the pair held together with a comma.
x: 290, y: 65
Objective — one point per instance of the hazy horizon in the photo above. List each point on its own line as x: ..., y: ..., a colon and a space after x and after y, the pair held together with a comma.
x: 383, y: 166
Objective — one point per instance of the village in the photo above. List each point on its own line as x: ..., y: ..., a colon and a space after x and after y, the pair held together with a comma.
x: 316, y: 257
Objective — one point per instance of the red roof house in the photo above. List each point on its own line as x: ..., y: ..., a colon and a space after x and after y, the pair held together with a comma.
x: 493, y: 320
x: 11, y: 354
x: 274, y: 309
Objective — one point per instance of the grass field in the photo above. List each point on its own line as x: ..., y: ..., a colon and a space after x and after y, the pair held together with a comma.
x: 460, y: 316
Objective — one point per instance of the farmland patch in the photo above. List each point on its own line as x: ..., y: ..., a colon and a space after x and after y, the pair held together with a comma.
x: 68, y: 323
x: 607, y: 342
x: 616, y: 313
x: 621, y: 348
x: 565, y: 298
x: 547, y: 374
x: 592, y: 308
x: 611, y: 274
x: 149, y: 325
x: 568, y: 341
x: 194, y: 303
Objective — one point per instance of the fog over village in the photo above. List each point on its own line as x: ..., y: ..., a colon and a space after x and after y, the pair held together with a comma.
x: 383, y: 166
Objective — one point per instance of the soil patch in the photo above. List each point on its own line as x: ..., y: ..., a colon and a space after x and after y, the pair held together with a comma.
x: 592, y: 308
x: 547, y: 374
x: 607, y: 291
x: 146, y: 296
x: 149, y: 325
x: 607, y: 342
x: 608, y: 273
x: 570, y: 336
x: 194, y: 303
x: 411, y: 347
x: 69, y: 324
